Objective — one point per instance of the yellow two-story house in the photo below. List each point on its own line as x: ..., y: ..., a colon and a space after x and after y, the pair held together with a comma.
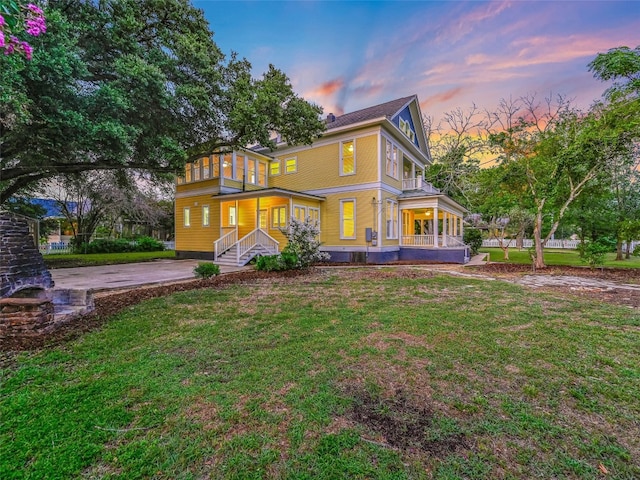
x: 362, y: 181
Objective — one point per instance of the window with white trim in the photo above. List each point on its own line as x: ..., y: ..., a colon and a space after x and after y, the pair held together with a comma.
x: 262, y: 174
x: 206, y: 170
x: 348, y: 219
x: 251, y: 171
x: 227, y: 165
x: 205, y: 215
x: 300, y: 212
x: 187, y: 172
x: 314, y: 216
x: 347, y: 158
x: 274, y: 168
x: 392, y: 219
x: 233, y: 219
x: 263, y: 219
x: 196, y: 170
x: 187, y: 217
x: 291, y: 165
x: 392, y: 160
x: 239, y: 170
x: 405, y: 126
x: 278, y: 217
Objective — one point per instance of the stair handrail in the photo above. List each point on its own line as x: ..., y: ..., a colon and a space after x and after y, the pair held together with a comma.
x: 252, y: 239
x: 224, y: 243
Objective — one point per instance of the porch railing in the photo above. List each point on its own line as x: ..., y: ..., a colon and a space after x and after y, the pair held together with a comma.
x: 429, y: 241
x: 418, y: 183
x: 253, y: 239
x: 224, y: 243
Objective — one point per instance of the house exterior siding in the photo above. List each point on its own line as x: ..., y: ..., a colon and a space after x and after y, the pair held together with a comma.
x: 345, y: 168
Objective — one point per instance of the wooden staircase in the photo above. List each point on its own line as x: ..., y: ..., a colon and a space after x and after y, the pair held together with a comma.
x: 230, y: 257
x: 228, y: 251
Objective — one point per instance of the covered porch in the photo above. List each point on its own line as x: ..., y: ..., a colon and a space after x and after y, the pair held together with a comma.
x: 252, y: 223
x: 435, y: 221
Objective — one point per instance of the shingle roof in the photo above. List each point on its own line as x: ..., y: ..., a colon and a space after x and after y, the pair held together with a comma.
x: 388, y: 109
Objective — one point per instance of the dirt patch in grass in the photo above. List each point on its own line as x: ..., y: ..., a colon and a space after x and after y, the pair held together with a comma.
x: 403, y: 423
x: 624, y: 275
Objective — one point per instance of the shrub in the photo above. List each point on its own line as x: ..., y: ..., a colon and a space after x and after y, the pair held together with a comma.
x: 636, y: 251
x: 303, y: 242
x: 148, y: 244
x: 277, y: 263
x: 473, y: 238
x: 206, y: 270
x: 593, y: 253
x: 120, y: 245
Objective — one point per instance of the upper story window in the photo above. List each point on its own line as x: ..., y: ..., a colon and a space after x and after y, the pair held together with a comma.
x: 291, y: 165
x: 206, y: 170
x: 405, y: 126
x: 239, y: 170
x: 262, y: 174
x: 392, y: 160
x: 187, y: 172
x: 347, y: 158
x: 251, y: 171
x: 227, y: 165
x: 196, y: 170
x: 274, y: 168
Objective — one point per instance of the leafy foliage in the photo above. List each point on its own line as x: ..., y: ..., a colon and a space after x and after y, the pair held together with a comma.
x: 206, y: 270
x: 277, y: 263
x: 473, y: 238
x: 593, y: 253
x: 120, y: 245
x: 129, y: 84
x: 303, y: 242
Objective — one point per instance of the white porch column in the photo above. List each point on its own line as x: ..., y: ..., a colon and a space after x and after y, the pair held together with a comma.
x: 445, y: 226
x: 455, y: 225
x: 436, y: 242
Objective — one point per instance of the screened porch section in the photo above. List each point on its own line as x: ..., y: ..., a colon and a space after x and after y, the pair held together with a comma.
x: 431, y: 227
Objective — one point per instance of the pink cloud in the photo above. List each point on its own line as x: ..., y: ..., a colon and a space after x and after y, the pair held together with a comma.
x: 328, y: 88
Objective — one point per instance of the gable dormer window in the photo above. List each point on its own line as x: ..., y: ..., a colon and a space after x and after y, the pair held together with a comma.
x: 405, y: 126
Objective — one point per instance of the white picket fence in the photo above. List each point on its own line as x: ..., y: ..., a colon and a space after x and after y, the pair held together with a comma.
x: 528, y: 243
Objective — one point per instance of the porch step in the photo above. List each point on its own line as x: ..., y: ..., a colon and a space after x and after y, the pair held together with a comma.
x: 229, y: 257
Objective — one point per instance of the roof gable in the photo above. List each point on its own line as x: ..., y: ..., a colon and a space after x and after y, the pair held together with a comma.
x: 404, y: 113
x: 387, y: 109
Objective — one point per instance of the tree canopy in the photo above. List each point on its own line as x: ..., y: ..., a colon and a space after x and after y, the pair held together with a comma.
x: 126, y: 84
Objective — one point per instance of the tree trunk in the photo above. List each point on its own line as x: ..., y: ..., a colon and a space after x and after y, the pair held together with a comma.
x: 619, y: 253
x: 537, y: 242
x: 520, y: 240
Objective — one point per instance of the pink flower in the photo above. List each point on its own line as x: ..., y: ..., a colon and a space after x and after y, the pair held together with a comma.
x: 35, y: 26
x: 1, y: 39
x: 35, y: 9
x: 28, y: 50
x: 2, y: 22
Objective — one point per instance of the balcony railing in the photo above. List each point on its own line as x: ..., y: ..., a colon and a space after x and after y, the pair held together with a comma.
x: 418, y: 183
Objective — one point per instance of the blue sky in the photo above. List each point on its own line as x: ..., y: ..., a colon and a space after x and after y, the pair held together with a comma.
x: 349, y: 55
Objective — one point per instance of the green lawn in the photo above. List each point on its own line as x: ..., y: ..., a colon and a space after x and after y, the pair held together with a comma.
x: 66, y: 260
x: 558, y: 257
x: 394, y: 373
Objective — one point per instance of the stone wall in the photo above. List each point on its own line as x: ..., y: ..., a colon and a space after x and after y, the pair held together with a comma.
x: 21, y: 265
x: 22, y: 318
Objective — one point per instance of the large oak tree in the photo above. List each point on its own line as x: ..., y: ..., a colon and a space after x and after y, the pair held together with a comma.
x: 134, y: 84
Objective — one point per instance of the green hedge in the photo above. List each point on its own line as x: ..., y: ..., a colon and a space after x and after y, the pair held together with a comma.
x: 120, y: 245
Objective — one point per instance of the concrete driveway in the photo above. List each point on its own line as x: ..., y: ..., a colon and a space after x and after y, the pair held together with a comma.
x: 128, y: 275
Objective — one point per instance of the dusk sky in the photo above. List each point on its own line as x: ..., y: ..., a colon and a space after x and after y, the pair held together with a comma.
x: 350, y: 55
